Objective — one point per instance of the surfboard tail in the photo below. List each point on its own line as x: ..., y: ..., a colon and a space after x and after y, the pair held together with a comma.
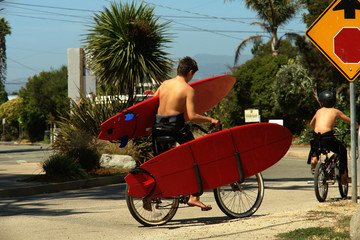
x: 141, y: 185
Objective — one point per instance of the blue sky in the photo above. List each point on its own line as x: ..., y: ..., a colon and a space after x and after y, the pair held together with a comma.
x: 43, y: 30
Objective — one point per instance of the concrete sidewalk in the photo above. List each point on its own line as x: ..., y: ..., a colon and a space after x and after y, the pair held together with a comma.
x: 299, y: 151
x: 10, y: 186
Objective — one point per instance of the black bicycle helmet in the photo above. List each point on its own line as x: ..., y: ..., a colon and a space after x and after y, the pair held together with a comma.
x: 327, y: 99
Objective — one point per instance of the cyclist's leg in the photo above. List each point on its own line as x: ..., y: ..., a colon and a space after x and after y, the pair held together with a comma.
x: 343, y: 159
x: 312, y: 158
x: 336, y: 147
x: 185, y: 135
x: 194, y: 200
x: 159, y: 130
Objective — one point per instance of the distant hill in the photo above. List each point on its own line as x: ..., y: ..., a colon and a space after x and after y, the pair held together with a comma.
x: 214, y: 65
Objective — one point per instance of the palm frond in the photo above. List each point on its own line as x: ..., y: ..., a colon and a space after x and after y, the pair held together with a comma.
x: 126, y: 47
x: 243, y: 44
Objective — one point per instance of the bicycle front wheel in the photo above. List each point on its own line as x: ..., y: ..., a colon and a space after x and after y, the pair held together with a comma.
x: 320, y: 184
x: 162, y: 209
x: 238, y: 200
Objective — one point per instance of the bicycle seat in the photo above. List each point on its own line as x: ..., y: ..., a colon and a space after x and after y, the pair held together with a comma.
x: 322, y: 151
x: 163, y: 143
x: 165, y: 139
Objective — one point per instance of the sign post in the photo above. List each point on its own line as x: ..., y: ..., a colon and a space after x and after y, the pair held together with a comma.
x: 353, y: 142
x: 336, y: 33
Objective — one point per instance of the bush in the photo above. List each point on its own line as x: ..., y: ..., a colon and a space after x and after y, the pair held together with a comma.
x: 143, y: 145
x: 107, y: 147
x: 11, y: 111
x: 64, y: 167
x: 88, y: 159
x: 80, y: 127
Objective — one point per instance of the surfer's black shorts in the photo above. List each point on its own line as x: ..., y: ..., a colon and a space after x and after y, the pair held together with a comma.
x: 328, y: 141
x: 171, y: 125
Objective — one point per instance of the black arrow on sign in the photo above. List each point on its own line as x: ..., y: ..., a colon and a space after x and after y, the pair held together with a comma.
x: 349, y: 7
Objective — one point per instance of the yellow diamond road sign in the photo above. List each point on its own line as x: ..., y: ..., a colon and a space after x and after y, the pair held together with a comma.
x: 336, y: 33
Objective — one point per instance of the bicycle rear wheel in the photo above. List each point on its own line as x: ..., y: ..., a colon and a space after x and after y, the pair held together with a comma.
x: 238, y: 200
x: 343, y: 188
x: 162, y: 210
x: 320, y: 184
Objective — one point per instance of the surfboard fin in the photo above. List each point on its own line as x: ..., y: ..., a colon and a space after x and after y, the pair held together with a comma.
x: 123, y: 141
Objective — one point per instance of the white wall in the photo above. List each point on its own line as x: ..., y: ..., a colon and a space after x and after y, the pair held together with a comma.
x: 78, y: 76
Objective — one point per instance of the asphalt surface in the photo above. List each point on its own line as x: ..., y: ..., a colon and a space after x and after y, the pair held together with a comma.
x: 18, y: 162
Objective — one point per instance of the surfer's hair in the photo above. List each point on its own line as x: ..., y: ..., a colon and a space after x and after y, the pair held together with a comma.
x: 186, y: 65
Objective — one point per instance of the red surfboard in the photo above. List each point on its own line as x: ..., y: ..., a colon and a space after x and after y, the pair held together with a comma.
x: 139, y: 119
x: 211, y: 161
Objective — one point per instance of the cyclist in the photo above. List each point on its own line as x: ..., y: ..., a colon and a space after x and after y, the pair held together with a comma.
x: 323, y: 124
x: 177, y: 98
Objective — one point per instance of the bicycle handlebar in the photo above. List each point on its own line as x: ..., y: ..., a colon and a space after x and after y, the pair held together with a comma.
x: 347, y: 131
x: 343, y: 134
x: 205, y: 131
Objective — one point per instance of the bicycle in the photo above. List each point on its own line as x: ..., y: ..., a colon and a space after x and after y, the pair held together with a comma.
x: 327, y: 172
x: 236, y: 200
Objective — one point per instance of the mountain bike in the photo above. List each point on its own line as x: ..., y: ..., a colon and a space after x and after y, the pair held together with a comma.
x: 327, y: 172
x: 236, y: 200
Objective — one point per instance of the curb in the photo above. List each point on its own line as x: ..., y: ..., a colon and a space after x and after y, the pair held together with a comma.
x: 58, y: 187
x: 298, y: 155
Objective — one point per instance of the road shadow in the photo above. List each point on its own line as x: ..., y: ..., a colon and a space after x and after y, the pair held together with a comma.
x: 191, y: 222
x: 25, y: 150
x: 290, y: 183
x: 36, y: 205
x: 17, y: 207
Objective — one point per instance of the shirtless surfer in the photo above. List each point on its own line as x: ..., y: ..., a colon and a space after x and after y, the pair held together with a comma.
x: 177, y: 98
x: 323, y: 124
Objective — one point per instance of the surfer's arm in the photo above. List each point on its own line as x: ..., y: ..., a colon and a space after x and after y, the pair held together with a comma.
x: 190, y: 110
x: 157, y: 92
x: 345, y: 118
x: 312, y: 123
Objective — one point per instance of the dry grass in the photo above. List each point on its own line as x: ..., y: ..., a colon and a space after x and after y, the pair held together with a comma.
x: 331, y: 221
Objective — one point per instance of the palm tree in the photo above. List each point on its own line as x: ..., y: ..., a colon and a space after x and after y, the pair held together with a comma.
x: 4, y: 30
x: 125, y: 47
x: 273, y: 14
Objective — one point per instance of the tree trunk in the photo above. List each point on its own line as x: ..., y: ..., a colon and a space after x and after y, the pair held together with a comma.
x: 274, y: 43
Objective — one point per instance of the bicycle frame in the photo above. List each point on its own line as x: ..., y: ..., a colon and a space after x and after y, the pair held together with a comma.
x: 327, y: 172
x: 331, y: 167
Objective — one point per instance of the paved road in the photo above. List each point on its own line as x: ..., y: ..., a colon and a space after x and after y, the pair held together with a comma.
x: 101, y: 213
x: 16, y: 154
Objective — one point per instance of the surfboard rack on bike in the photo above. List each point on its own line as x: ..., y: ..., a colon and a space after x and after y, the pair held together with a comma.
x: 215, y: 154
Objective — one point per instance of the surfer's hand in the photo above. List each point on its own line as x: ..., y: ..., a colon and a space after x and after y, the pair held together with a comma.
x: 215, y: 123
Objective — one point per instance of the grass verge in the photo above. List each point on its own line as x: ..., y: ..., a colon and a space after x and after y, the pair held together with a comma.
x: 335, y: 224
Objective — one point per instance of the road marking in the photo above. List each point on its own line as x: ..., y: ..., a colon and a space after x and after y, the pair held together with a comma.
x: 21, y: 161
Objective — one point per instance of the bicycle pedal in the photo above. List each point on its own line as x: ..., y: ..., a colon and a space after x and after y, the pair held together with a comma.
x: 184, y: 199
